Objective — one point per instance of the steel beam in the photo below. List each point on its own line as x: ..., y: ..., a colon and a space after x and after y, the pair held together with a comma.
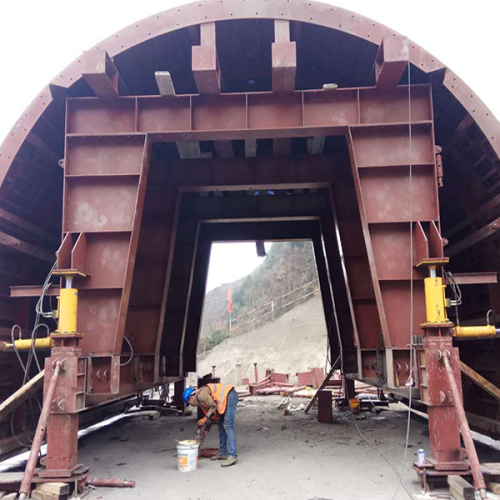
x: 474, y: 238
x: 101, y: 74
x: 224, y: 149
x: 486, y: 278
x: 17, y: 245
x: 165, y: 83
x: 284, y: 57
x: 255, y: 115
x: 392, y: 60
x: 186, y: 149
x: 205, y: 61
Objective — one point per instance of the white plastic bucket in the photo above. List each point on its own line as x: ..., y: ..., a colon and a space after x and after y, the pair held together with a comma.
x: 187, y: 455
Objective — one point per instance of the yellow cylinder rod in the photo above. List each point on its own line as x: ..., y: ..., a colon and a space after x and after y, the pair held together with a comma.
x: 68, y: 305
x: 474, y: 331
x: 435, y: 300
x: 25, y: 344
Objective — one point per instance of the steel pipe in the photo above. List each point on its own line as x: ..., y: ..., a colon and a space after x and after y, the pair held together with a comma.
x: 464, y: 428
x: 41, y: 428
x: 110, y: 483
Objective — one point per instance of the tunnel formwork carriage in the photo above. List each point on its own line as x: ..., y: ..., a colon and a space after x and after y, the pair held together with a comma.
x: 246, y: 121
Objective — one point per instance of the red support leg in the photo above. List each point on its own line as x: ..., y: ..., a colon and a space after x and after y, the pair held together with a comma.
x: 62, y: 429
x: 443, y: 423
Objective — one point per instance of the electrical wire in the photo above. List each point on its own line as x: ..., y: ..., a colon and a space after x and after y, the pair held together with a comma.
x: 32, y: 352
x: 131, y: 352
x: 410, y: 378
x: 457, y: 293
x: 374, y: 448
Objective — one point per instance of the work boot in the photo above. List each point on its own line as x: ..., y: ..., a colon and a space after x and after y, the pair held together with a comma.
x: 229, y: 461
x: 219, y: 457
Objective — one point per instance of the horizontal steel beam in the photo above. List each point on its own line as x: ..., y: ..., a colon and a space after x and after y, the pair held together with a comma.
x: 257, y: 173
x: 474, y: 238
x: 487, y: 278
x: 248, y: 115
x: 11, y: 243
x: 28, y: 291
x: 262, y: 231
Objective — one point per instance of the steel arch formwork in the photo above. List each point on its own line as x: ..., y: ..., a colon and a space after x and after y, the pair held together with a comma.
x: 353, y: 167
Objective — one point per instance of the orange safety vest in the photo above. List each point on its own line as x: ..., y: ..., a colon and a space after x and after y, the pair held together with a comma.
x: 219, y: 393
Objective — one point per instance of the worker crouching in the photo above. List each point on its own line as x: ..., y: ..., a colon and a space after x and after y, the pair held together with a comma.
x: 218, y: 402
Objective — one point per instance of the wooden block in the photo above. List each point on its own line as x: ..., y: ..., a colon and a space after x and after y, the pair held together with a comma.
x: 55, y: 488
x: 43, y: 495
x: 154, y: 415
x: 460, y: 488
x: 494, y: 487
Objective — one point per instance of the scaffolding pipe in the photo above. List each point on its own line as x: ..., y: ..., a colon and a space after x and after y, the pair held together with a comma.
x: 25, y: 488
x: 465, y: 429
x: 110, y: 483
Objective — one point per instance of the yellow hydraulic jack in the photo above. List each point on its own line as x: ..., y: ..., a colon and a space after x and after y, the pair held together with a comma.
x: 435, y: 301
x: 436, y: 304
x: 67, y: 308
x: 66, y: 315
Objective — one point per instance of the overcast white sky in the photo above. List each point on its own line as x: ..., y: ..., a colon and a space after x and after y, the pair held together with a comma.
x: 39, y: 38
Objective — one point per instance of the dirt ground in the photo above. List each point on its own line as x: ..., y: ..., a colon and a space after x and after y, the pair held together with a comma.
x: 280, y: 457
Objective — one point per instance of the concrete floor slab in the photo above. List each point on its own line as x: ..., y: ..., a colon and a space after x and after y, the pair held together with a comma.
x: 280, y: 457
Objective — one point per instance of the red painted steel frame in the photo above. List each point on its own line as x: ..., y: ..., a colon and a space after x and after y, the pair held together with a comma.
x: 140, y: 286
x: 105, y: 174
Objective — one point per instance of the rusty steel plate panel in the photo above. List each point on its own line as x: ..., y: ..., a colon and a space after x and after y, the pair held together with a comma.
x: 107, y: 256
x: 391, y: 106
x: 340, y: 108
x: 100, y: 204
x: 397, y: 303
x: 368, y: 323
x: 98, y: 312
x: 385, y: 193
x: 97, y: 156
x: 390, y: 146
x: 101, y: 116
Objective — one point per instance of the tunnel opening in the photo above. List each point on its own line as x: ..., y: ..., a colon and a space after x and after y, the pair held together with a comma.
x: 272, y: 316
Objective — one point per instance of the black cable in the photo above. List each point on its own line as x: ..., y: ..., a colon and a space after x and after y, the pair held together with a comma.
x: 457, y: 293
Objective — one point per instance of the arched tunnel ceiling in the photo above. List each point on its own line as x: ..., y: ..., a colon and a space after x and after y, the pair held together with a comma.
x: 334, y: 45
x: 333, y: 36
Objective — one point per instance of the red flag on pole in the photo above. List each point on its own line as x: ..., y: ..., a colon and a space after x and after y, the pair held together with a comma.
x: 229, y: 299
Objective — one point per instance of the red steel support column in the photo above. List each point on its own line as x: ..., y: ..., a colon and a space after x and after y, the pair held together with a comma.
x: 443, y: 423
x: 62, y: 431
x: 40, y: 433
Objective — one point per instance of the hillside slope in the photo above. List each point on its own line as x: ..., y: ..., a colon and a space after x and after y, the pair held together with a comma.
x: 287, y: 266
x: 293, y: 343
